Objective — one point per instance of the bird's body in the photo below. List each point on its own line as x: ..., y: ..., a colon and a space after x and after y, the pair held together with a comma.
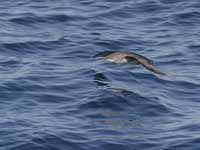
x: 125, y: 57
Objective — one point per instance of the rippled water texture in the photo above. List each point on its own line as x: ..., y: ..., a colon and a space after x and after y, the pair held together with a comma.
x: 54, y: 95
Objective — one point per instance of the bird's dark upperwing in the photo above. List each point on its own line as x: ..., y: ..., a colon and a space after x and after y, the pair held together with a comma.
x: 132, y: 59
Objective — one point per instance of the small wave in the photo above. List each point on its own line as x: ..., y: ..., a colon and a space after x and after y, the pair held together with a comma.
x: 32, y: 46
x: 25, y: 19
x: 187, y: 18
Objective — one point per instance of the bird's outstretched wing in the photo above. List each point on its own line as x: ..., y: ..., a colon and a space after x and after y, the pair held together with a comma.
x: 153, y: 69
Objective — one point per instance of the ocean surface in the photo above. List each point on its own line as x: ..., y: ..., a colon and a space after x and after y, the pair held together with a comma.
x: 55, y: 95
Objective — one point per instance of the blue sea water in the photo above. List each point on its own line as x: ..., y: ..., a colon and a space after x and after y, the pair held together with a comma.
x: 54, y: 95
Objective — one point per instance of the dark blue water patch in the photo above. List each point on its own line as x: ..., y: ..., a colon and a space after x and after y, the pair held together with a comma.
x: 150, y: 7
x: 32, y: 47
x: 98, y: 25
x: 108, y: 44
x: 106, y: 101
x: 168, y: 56
x: 166, y: 62
x: 30, y: 20
x: 118, y: 44
x: 117, y: 101
x: 117, y: 14
x: 185, y: 144
x: 11, y: 63
x: 172, y: 2
x: 45, y: 19
x: 51, y: 98
x: 153, y: 21
x: 194, y: 46
x: 195, y: 4
x: 49, y: 141
x: 187, y: 18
